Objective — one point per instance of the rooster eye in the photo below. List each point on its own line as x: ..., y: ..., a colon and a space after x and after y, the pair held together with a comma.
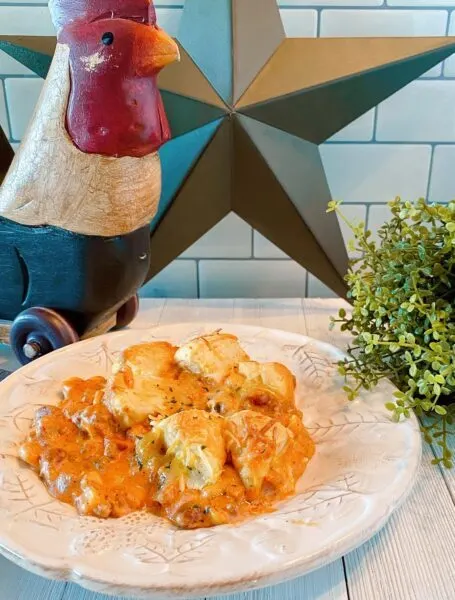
x: 108, y: 38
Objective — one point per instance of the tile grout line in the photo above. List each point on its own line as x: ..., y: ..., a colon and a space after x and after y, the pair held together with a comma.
x: 367, y: 217
x: 318, y: 22
x: 430, y: 172
x: 375, y: 125
x: 198, y: 278
x: 8, y: 116
x: 449, y: 18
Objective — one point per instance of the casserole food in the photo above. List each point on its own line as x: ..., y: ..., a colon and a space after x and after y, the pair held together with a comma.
x: 199, y: 434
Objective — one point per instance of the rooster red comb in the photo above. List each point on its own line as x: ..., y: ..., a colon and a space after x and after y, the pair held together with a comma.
x: 66, y: 12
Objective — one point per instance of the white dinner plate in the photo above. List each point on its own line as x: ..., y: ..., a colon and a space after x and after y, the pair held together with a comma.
x: 363, y: 468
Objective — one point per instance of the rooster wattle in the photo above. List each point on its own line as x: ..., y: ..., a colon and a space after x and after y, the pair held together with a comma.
x: 76, y: 204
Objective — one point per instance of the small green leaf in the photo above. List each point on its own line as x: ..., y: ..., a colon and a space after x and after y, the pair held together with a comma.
x: 333, y: 206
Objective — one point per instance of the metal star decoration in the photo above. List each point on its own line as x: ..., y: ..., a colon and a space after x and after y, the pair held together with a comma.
x: 248, y: 109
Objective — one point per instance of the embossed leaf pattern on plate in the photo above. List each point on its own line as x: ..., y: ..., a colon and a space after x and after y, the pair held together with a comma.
x: 363, y: 468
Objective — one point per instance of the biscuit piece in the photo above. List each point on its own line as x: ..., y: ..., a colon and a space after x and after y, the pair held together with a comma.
x: 273, y: 376
x: 188, y: 446
x: 151, y: 359
x: 268, y: 455
x: 211, y: 356
x: 268, y: 388
x: 142, y: 384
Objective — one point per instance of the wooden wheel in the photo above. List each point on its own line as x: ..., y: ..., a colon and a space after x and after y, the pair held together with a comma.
x: 38, y: 331
x: 127, y: 313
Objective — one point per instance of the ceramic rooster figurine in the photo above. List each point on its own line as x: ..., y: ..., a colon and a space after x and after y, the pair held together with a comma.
x: 76, y: 204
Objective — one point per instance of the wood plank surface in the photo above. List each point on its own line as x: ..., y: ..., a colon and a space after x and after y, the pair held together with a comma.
x: 413, y: 557
x: 18, y: 584
x: 325, y: 584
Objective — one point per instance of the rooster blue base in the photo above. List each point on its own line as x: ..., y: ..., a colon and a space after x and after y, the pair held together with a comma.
x: 83, y: 278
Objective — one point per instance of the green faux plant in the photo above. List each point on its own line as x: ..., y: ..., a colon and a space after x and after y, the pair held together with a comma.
x: 402, y: 291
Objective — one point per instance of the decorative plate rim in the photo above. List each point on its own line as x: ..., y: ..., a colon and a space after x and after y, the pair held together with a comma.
x: 78, y: 572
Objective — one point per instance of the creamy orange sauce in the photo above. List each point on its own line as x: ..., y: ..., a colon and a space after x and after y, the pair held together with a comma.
x: 87, y: 459
x: 83, y: 457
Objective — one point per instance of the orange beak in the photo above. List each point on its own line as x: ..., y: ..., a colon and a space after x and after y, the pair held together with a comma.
x: 155, y: 50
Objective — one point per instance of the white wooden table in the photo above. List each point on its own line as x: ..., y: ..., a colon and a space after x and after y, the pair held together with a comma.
x: 413, y: 558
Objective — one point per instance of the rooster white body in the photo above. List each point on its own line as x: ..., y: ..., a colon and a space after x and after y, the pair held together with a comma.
x: 51, y: 182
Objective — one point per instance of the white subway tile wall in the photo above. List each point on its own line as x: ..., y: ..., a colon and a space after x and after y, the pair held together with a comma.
x: 178, y: 280
x: 404, y: 147
x: 449, y: 65
x: 251, y: 279
x: 231, y: 238
x: 378, y: 214
x: 3, y: 114
x: 22, y: 94
x: 263, y: 248
x: 441, y: 184
x: 316, y: 289
x: 300, y: 23
x: 364, y: 23
x: 421, y: 112
x: 368, y: 173
x: 360, y: 130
